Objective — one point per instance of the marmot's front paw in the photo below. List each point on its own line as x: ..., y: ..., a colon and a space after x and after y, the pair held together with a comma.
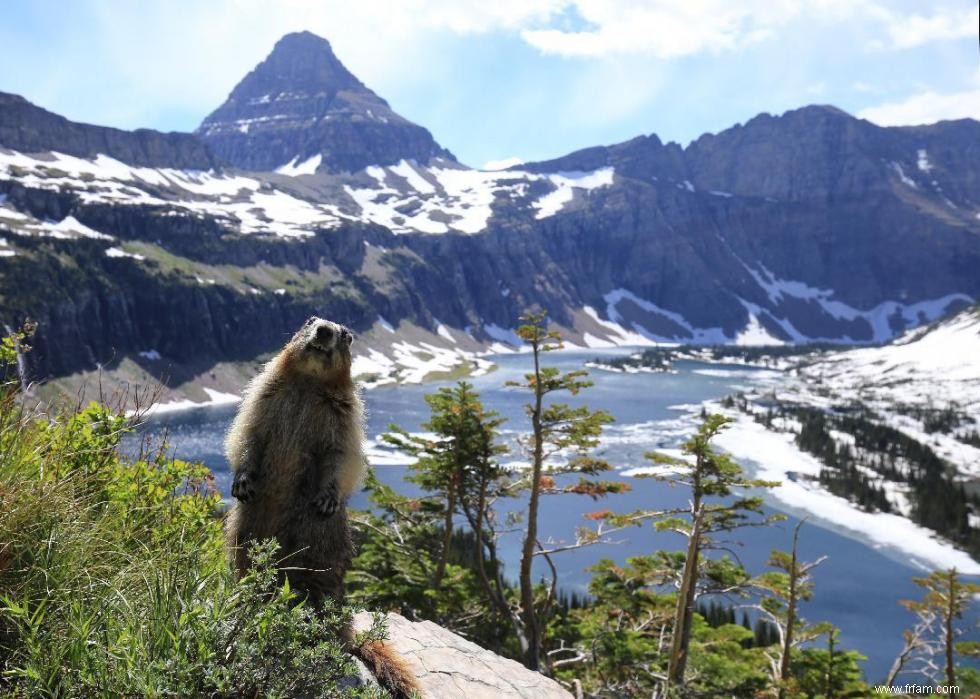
x: 328, y: 501
x: 243, y: 486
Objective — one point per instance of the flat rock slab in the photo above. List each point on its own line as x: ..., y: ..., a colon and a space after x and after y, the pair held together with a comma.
x: 447, y: 665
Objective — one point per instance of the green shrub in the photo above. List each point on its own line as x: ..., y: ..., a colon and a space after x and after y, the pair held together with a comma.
x: 114, y: 581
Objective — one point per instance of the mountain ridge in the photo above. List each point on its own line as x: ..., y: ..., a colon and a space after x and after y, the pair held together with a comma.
x: 26, y: 127
x: 811, y: 225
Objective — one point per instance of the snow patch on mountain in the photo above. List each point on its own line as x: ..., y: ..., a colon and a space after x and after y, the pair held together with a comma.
x: 69, y: 228
x: 923, y: 161
x: 430, y: 200
x: 70, y: 224
x: 470, y: 194
x: 119, y: 252
x: 616, y: 335
x: 244, y: 204
x: 879, y: 318
x: 409, y: 198
x: 692, y: 334
x: 935, y: 365
x: 507, y: 336
x: 295, y: 168
x: 502, y: 164
x: 565, y: 185
x: 214, y: 398
x: 407, y: 171
x: 755, y: 334
x: 407, y: 362
x: 443, y: 332
x: 900, y: 171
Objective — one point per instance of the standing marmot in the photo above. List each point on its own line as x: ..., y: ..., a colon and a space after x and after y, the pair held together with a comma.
x: 295, y: 447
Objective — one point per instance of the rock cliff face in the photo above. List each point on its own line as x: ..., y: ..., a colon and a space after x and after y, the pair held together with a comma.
x: 27, y: 128
x: 302, y: 109
x: 809, y: 225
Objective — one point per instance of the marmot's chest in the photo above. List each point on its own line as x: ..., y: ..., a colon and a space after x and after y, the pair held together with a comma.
x: 314, y: 420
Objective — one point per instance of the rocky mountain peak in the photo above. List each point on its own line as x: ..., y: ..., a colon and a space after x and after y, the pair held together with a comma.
x: 302, y: 111
x: 302, y: 63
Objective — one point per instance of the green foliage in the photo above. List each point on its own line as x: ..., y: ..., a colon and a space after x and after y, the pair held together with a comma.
x: 618, y: 641
x: 828, y: 673
x: 16, y: 342
x: 621, y: 640
x: 933, y: 642
x: 710, y: 476
x: 113, y: 577
x: 399, y: 548
x: 557, y: 430
x: 412, y: 557
x: 458, y: 465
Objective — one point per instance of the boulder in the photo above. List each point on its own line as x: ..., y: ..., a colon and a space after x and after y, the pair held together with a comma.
x: 447, y: 665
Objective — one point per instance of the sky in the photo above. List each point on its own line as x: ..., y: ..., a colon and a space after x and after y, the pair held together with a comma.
x: 501, y: 79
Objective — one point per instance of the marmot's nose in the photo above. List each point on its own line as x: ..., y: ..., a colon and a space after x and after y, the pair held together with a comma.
x: 324, y: 335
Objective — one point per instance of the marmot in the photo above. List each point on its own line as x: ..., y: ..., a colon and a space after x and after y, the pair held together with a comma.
x: 296, y: 449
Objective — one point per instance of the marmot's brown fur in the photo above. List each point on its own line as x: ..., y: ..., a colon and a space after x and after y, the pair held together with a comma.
x: 296, y: 449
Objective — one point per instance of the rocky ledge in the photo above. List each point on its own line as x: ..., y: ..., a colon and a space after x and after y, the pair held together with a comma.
x: 448, y: 665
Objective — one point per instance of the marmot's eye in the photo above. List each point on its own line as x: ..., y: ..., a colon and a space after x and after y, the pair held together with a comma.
x: 309, y: 321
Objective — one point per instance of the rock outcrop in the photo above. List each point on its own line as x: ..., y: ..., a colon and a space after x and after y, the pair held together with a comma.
x: 448, y: 666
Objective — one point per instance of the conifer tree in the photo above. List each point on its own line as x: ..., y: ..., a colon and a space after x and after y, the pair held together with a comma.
x: 560, y: 442
x: 785, y: 588
x: 830, y: 673
x: 461, y: 451
x: 710, y: 477
x: 931, y: 644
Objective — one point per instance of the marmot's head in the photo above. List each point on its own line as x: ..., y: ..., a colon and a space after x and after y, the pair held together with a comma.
x: 321, y: 349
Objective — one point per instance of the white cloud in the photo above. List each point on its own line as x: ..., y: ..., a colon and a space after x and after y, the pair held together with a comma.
x: 663, y: 28
x: 672, y: 29
x: 909, y: 31
x: 406, y: 50
x: 926, y: 107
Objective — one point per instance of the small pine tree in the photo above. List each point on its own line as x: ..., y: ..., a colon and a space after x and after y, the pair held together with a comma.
x: 934, y: 635
x: 710, y: 476
x: 455, y: 460
x: 556, y: 428
x: 785, y: 588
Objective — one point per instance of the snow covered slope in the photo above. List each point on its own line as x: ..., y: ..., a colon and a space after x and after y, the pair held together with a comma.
x: 929, y: 369
x: 405, y: 197
x: 934, y: 365
x: 926, y: 386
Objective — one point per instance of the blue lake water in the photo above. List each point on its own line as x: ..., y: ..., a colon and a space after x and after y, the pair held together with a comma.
x: 857, y: 588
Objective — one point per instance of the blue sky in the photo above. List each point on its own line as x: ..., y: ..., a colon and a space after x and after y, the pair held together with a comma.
x: 527, y: 78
